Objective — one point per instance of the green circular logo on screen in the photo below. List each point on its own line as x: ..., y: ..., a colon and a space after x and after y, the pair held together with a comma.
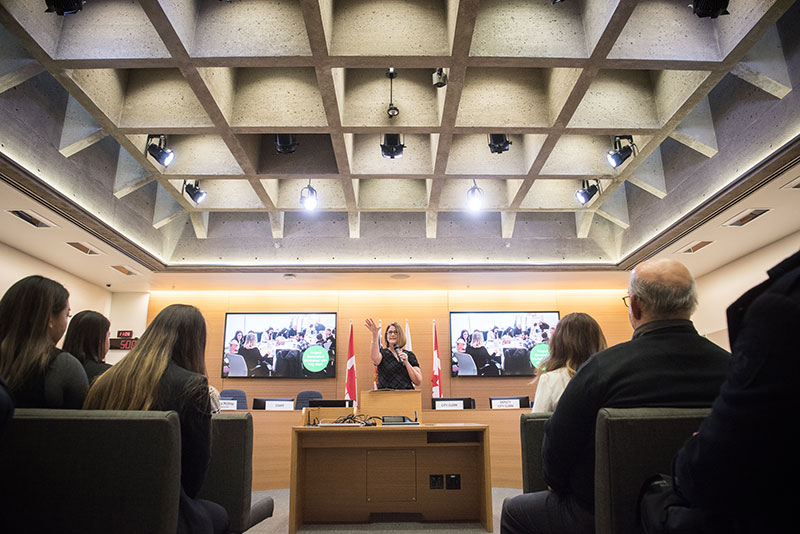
x: 316, y: 358
x: 538, y: 353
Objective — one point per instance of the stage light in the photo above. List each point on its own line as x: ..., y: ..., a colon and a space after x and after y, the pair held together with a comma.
x: 710, y: 8
x: 392, y: 146
x: 63, y: 7
x: 621, y: 152
x: 393, y: 111
x: 286, y: 143
x: 195, y: 193
x: 474, y: 197
x: 308, y: 197
x: 498, y: 143
x: 587, y: 192
x: 439, y: 78
x: 158, y: 149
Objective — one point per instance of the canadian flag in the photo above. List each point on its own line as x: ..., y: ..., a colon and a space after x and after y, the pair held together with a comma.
x: 350, y: 377
x: 436, y: 377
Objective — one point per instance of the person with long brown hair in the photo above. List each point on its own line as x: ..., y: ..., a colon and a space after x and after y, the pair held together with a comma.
x: 166, y: 371
x: 88, y: 339
x: 577, y: 336
x: 33, y: 316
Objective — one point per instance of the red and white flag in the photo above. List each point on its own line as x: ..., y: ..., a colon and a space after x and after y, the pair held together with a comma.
x: 350, y: 381
x: 436, y: 377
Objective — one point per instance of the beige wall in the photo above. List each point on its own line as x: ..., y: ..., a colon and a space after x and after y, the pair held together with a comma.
x: 420, y: 308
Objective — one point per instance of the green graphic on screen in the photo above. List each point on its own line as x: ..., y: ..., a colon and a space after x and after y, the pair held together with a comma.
x: 538, y: 353
x: 315, y: 358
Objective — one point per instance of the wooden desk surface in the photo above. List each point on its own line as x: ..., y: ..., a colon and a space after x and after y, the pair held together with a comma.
x: 272, y: 442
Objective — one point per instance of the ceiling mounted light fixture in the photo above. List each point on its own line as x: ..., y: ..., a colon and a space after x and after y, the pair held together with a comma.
x: 439, y: 77
x: 157, y: 147
x: 392, y: 146
x: 195, y: 193
x: 587, y: 192
x: 499, y: 143
x: 308, y: 197
x: 621, y: 152
x: 709, y: 8
x: 286, y: 143
x: 393, y: 110
x: 63, y: 7
x: 474, y: 197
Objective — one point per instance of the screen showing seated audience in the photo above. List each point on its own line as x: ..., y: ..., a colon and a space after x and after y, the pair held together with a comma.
x: 279, y: 345
x: 500, y: 343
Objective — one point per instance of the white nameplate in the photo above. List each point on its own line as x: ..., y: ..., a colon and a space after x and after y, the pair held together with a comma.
x: 505, y: 404
x: 450, y: 405
x: 227, y: 404
x: 279, y: 405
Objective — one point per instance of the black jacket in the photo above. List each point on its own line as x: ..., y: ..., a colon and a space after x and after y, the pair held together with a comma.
x: 667, y: 363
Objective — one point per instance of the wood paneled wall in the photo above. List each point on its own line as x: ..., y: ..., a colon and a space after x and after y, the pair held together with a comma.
x: 421, y: 308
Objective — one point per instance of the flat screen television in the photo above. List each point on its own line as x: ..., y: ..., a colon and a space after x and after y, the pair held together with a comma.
x: 279, y: 345
x: 492, y: 344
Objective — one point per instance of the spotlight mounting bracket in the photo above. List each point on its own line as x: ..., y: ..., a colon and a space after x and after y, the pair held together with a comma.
x: 158, y: 150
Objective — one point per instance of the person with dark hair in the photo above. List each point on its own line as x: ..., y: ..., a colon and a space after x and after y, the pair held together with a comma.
x: 165, y: 371
x: 33, y: 316
x: 397, y: 368
x: 742, y: 463
x: 6, y: 406
x: 577, y: 336
x: 88, y: 339
x: 667, y: 363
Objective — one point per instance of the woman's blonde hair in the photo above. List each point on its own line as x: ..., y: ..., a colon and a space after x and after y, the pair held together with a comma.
x: 401, y: 336
x: 577, y: 336
x: 177, y: 334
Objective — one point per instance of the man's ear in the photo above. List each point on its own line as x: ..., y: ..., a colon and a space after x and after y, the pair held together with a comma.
x: 636, y: 310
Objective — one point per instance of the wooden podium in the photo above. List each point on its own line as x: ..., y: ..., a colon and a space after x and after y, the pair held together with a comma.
x: 378, y: 403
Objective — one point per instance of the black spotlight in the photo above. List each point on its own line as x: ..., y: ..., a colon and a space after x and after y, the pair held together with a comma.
x: 587, y: 192
x: 621, y: 152
x: 195, y: 193
x: 63, y: 7
x: 439, y: 77
x: 392, y: 146
x: 393, y: 111
x: 710, y: 8
x: 157, y: 147
x: 286, y: 143
x: 498, y: 143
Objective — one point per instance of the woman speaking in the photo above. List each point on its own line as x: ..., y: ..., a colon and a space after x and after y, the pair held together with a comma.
x: 397, y: 369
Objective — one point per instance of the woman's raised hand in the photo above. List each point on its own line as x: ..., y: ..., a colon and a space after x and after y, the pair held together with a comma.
x: 370, y: 324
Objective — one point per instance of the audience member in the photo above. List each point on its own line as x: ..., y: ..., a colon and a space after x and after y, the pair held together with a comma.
x: 743, y: 461
x: 667, y: 363
x: 249, y: 351
x: 166, y: 371
x: 480, y: 355
x: 33, y: 317
x: 87, y: 339
x: 577, y: 336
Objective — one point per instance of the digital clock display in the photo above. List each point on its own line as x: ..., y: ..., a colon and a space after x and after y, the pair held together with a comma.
x: 122, y: 344
x: 125, y: 334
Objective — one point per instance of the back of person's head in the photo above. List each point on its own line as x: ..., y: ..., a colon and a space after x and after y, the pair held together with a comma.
x: 87, y: 336
x: 477, y: 339
x: 178, y: 335
x: 27, y: 312
x: 250, y: 340
x: 663, y: 289
x: 577, y: 336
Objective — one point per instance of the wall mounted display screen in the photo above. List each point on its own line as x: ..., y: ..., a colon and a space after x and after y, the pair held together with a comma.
x: 500, y: 343
x: 279, y: 345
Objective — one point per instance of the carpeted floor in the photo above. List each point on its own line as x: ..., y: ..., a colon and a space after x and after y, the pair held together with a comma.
x: 279, y: 522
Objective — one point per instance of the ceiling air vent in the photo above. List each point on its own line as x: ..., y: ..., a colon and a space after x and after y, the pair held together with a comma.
x: 33, y: 218
x: 695, y: 247
x: 124, y: 269
x: 746, y: 217
x: 84, y: 248
x: 794, y: 184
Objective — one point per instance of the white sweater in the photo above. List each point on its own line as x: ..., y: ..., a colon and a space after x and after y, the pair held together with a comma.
x: 551, y: 386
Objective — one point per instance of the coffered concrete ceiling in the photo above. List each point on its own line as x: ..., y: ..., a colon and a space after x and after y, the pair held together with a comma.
x: 709, y: 102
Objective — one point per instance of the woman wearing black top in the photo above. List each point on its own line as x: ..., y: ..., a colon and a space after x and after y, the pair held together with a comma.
x: 33, y: 316
x: 481, y: 357
x: 397, y: 368
x: 88, y: 339
x: 166, y: 371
